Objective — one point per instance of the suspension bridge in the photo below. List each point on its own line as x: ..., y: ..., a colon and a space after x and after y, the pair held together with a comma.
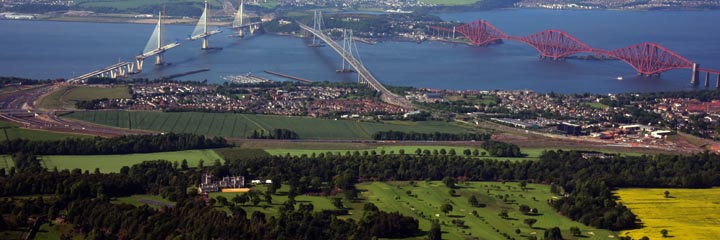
x: 647, y: 58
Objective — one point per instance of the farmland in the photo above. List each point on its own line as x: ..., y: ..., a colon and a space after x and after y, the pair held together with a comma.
x: 243, y: 125
x: 113, y: 163
x: 15, y: 133
x: 686, y: 213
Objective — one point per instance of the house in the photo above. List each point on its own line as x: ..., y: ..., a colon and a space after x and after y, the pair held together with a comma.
x: 208, y: 183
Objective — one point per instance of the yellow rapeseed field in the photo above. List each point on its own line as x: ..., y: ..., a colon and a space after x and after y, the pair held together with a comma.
x: 686, y: 214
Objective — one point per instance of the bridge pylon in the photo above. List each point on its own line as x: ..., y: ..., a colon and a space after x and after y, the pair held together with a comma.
x: 348, y: 46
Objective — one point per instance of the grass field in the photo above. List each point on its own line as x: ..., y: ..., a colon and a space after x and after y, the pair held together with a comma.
x: 686, y: 214
x: 425, y: 199
x: 67, y: 96
x: 15, y: 133
x: 242, y: 125
x: 128, y: 4
x: 6, y: 162
x: 113, y: 163
x: 532, y: 154
x: 136, y: 200
x: 319, y: 203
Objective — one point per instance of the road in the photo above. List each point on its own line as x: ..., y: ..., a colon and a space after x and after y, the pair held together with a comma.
x: 19, y: 107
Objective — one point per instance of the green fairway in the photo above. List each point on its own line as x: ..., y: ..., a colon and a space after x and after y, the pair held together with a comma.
x: 243, y: 125
x: 37, y: 135
x: 113, y: 163
x: 319, y: 203
x: 425, y: 198
x: 6, y: 162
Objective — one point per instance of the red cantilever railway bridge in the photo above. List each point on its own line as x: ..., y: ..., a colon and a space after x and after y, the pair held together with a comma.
x: 647, y: 58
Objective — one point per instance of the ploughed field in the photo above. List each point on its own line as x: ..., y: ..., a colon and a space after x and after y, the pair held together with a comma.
x: 243, y: 125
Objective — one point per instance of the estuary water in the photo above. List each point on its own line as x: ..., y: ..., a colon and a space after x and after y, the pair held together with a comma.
x: 42, y: 49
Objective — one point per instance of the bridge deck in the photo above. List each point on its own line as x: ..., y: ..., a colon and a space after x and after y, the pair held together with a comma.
x: 385, y: 94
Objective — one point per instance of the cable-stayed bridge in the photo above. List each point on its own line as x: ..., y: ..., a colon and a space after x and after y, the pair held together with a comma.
x: 364, y: 74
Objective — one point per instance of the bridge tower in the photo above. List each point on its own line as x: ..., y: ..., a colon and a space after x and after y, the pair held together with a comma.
x: 317, y: 26
x: 159, y: 56
x: 348, y: 45
x: 695, y: 74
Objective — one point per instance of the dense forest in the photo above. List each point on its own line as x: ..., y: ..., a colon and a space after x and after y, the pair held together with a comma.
x: 118, y: 145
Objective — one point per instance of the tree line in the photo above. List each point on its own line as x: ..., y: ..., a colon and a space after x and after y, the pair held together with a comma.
x: 118, y: 145
x: 277, y: 133
x: 436, y: 136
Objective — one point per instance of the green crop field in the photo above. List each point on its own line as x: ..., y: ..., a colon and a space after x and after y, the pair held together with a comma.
x: 15, y: 133
x: 242, y: 125
x: 425, y: 198
x: 113, y: 163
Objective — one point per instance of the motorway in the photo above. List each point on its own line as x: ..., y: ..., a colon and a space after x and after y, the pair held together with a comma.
x: 19, y: 107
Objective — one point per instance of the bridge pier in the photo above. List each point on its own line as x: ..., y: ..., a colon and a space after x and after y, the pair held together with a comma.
x: 139, y: 63
x: 707, y: 79
x: 695, y: 74
x: 159, y: 59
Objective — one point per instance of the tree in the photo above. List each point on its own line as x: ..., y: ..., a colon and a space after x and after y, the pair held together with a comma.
x: 575, y: 231
x: 553, y: 234
x: 503, y: 213
x: 435, y: 232
x: 449, y: 182
x: 446, y: 208
x: 524, y: 209
x: 530, y: 222
x: 664, y: 233
x: 667, y: 194
x: 473, y: 201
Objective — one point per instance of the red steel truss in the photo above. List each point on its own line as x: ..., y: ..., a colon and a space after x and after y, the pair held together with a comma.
x: 646, y: 58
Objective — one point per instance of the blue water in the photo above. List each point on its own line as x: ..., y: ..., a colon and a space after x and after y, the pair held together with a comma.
x: 40, y: 49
